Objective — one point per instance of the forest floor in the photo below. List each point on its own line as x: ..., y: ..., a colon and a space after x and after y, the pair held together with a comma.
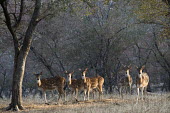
x: 152, y: 103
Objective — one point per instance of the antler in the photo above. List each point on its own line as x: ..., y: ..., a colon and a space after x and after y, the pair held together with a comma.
x: 86, y: 69
x: 136, y: 67
x: 72, y: 72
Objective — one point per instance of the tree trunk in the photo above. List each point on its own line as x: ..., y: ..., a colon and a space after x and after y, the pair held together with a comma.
x: 18, y: 74
x: 21, y: 54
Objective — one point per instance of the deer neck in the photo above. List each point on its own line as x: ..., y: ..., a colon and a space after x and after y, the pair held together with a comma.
x: 140, y: 74
x: 141, y: 71
x: 69, y: 80
x: 39, y: 82
x: 127, y: 73
x: 84, y: 77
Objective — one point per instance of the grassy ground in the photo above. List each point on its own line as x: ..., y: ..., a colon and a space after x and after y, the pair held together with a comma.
x: 153, y: 103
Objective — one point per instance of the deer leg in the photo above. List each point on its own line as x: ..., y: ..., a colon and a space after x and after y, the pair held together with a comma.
x: 145, y: 90
x: 85, y: 91
x: 73, y: 91
x: 44, y: 93
x: 119, y: 91
x: 100, y: 92
x: 137, y: 94
x: 61, y: 92
x: 88, y: 93
x: 93, y: 91
x: 59, y: 96
x: 52, y: 93
x: 130, y: 89
x: 76, y: 93
x: 65, y: 96
x: 142, y: 90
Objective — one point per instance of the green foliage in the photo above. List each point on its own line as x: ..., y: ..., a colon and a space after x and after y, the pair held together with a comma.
x: 54, y: 7
x: 154, y: 12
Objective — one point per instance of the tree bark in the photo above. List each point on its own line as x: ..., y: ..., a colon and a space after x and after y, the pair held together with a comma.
x: 16, y: 101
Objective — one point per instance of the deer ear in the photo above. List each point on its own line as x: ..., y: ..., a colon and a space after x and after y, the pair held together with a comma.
x: 123, y: 65
x: 136, y: 67
x: 143, y: 67
x: 41, y: 73
x: 130, y: 66
x: 72, y: 72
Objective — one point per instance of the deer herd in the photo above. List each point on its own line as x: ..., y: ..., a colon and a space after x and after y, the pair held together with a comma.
x: 90, y: 84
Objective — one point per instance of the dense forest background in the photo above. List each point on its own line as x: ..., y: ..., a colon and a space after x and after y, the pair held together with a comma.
x: 102, y: 35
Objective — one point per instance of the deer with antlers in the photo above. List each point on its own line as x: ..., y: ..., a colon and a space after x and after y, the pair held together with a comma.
x: 126, y: 81
x: 142, y: 81
x: 77, y: 85
x: 50, y: 84
x: 95, y: 83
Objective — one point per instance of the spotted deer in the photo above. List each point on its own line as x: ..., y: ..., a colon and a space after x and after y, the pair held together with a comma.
x: 77, y: 85
x: 126, y: 81
x: 50, y: 84
x: 142, y: 81
x: 95, y: 83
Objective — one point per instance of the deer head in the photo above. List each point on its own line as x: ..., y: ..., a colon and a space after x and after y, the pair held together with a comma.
x: 140, y: 69
x: 128, y: 68
x: 84, y: 75
x: 38, y: 78
x: 69, y: 76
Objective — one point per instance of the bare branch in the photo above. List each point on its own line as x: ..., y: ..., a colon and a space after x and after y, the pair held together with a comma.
x: 43, y: 61
x: 9, y: 25
x: 31, y: 27
x: 43, y: 17
x: 18, y: 20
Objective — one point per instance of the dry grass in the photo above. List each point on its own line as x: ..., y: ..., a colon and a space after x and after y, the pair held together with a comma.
x: 153, y: 103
